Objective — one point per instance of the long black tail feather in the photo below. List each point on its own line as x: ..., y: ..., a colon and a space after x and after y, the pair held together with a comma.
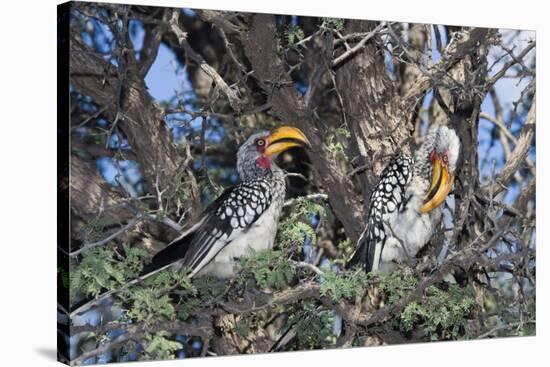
x: 170, y: 254
x: 363, y: 256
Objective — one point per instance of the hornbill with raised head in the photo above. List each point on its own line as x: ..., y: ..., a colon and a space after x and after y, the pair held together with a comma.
x: 243, y: 217
x: 405, y: 204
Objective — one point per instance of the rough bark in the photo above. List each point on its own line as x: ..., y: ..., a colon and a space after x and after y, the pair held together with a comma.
x: 139, y: 119
x: 92, y: 198
x: 261, y: 47
x: 375, y: 118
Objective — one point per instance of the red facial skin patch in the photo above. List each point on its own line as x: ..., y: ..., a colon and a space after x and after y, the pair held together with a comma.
x: 264, y: 162
x: 433, y: 155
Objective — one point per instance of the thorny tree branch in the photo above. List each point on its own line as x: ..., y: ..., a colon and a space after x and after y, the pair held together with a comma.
x: 453, y: 53
x: 135, y: 332
x: 355, y: 49
x: 517, y: 157
x: 231, y: 95
x: 107, y: 239
x: 136, y: 114
x: 309, y: 290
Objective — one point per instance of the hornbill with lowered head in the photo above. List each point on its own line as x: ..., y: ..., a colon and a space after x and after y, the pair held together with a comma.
x: 405, y: 204
x: 243, y: 217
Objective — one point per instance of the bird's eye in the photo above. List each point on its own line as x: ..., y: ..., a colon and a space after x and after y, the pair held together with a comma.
x: 445, y: 159
x: 260, y: 142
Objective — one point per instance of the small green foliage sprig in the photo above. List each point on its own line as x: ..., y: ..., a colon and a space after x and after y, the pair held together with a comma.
x: 334, y: 23
x: 102, y: 268
x: 441, y: 313
x: 335, y: 140
x: 159, y: 346
x: 293, y: 230
x: 152, y: 302
x: 313, y: 325
x: 395, y: 285
x: 269, y: 268
x: 293, y: 34
x: 344, y: 286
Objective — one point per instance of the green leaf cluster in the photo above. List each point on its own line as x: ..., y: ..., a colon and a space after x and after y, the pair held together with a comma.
x: 293, y: 230
x: 344, y: 286
x: 171, y: 278
x: 102, y: 268
x: 441, y: 313
x: 347, y: 247
x: 305, y: 206
x: 334, y: 23
x: 292, y: 234
x: 160, y: 347
x: 150, y: 305
x: 395, y: 285
x: 335, y: 140
x: 293, y: 34
x: 269, y: 268
x: 153, y: 303
x: 313, y: 326
x: 206, y: 291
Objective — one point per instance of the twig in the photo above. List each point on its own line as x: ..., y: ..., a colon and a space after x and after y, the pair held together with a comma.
x: 452, y: 54
x: 123, y: 53
x: 295, y: 174
x: 437, y: 34
x: 318, y: 196
x: 508, y: 65
x: 103, y: 348
x: 154, y: 38
x: 517, y: 157
x: 204, y: 167
x: 93, y: 116
x: 469, y: 254
x: 136, y: 331
x: 350, y: 37
x: 411, y: 58
x: 508, y: 135
x: 106, y: 240
x: 429, y: 44
x: 313, y: 268
x: 503, y: 327
x: 350, y: 53
x: 231, y: 95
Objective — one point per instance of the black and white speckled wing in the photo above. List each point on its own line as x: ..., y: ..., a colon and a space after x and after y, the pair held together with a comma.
x: 229, y: 216
x: 387, y: 200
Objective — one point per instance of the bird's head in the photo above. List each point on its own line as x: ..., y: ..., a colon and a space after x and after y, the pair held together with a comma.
x: 256, y: 154
x: 441, y: 151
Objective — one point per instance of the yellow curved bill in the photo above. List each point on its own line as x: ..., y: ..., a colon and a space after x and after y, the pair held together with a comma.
x: 284, y: 138
x: 442, y: 183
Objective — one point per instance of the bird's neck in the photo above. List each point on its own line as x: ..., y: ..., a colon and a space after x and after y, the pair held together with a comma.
x: 253, y: 171
x: 423, y: 167
x: 421, y: 178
